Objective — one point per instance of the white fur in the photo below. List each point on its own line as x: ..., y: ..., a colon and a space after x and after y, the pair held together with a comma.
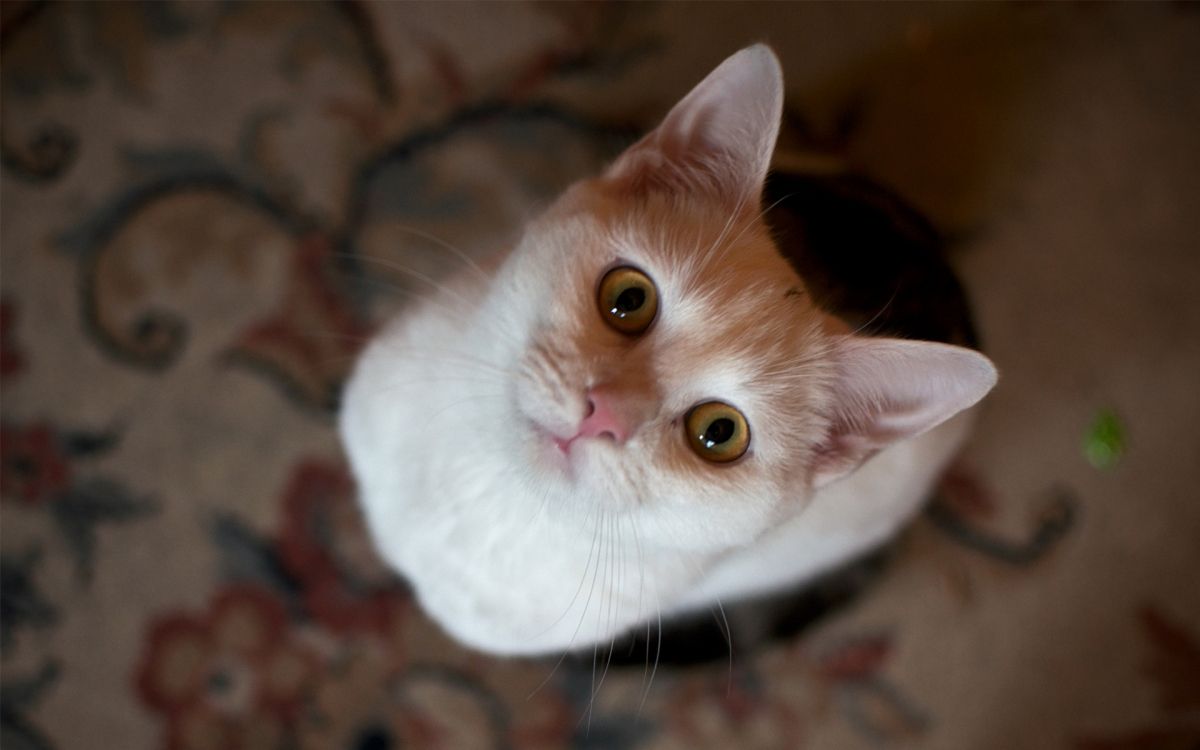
x: 514, y: 548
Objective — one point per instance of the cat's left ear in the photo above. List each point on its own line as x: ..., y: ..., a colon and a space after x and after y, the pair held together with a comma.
x: 718, y: 140
x: 886, y: 390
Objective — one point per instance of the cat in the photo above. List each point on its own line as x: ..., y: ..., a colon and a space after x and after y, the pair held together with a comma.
x: 639, y: 412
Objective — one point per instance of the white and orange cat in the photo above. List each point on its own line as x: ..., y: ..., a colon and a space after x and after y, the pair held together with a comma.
x: 639, y: 413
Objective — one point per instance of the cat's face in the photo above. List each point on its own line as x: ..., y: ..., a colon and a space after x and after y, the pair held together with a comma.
x: 669, y: 367
x: 730, y: 331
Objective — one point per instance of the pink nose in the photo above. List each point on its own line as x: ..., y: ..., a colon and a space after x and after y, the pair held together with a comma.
x: 602, y: 418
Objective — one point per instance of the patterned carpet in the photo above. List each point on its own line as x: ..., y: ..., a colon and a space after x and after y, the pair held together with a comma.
x: 205, y: 207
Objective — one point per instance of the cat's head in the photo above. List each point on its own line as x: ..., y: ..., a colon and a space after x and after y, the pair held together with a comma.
x: 671, y: 366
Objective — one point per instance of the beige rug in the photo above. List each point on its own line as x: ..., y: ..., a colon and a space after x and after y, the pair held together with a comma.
x: 189, y: 191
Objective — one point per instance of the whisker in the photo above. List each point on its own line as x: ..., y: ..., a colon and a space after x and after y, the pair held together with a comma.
x: 336, y: 335
x: 445, y: 245
x: 437, y: 379
x: 459, y: 356
x: 875, y: 317
x: 728, y: 634
x: 725, y: 230
x: 443, y: 288
x: 557, y: 664
x: 637, y: 541
x: 592, y: 698
x: 467, y: 400
x: 530, y: 525
x: 750, y: 224
x: 440, y: 355
x: 453, y: 313
x: 400, y: 268
x: 392, y: 287
x: 587, y: 566
x: 657, y: 654
x: 595, y: 575
x: 494, y: 375
x: 641, y: 579
x: 612, y: 643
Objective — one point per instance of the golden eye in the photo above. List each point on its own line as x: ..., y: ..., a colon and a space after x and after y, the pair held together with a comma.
x: 717, y: 432
x: 628, y: 300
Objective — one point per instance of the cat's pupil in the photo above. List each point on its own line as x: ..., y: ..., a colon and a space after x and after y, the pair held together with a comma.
x: 719, y: 430
x: 630, y: 299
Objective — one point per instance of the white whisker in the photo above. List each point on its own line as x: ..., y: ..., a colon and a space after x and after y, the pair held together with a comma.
x: 728, y: 634
x: 875, y: 317
x: 452, y: 313
x: 447, y: 246
x: 614, y: 593
x: 725, y: 230
x: 596, y: 537
x: 657, y: 654
x: 582, y: 578
x: 749, y: 224
x: 591, y: 700
x: 468, y: 400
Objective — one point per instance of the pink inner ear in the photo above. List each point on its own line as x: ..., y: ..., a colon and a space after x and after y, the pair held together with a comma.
x: 890, y: 389
x: 718, y: 140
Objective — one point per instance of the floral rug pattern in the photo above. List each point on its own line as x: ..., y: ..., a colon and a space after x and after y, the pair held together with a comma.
x: 208, y: 207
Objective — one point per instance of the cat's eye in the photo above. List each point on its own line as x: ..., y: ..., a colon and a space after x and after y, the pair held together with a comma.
x: 628, y: 300
x: 717, y: 432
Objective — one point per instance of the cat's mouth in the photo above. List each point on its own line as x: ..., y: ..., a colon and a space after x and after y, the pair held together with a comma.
x: 568, y: 455
x: 553, y: 450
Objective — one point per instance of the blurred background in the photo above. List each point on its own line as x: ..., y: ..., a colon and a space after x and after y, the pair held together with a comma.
x: 200, y: 202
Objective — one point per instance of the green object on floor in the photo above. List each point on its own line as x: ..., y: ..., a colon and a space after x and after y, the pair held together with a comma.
x: 1104, y: 443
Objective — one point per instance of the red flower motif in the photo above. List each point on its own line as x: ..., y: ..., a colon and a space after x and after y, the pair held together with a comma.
x: 11, y: 359
x: 325, y: 545
x: 545, y: 721
x: 1174, y: 663
x: 310, y: 340
x: 230, y: 678
x: 1173, y: 667
x: 362, y: 703
x: 962, y: 491
x: 716, y: 712
x: 855, y: 660
x: 32, y: 467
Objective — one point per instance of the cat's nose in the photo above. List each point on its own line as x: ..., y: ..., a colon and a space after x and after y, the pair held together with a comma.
x: 603, y: 418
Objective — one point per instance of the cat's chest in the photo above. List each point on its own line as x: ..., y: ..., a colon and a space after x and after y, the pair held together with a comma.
x: 502, y: 571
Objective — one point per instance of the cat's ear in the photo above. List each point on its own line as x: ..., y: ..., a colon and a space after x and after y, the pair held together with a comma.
x: 890, y: 389
x: 718, y: 140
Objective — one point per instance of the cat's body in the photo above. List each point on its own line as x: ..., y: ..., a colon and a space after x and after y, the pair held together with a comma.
x: 527, y: 448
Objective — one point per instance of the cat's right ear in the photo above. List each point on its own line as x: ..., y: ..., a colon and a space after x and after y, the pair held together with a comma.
x: 717, y: 141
